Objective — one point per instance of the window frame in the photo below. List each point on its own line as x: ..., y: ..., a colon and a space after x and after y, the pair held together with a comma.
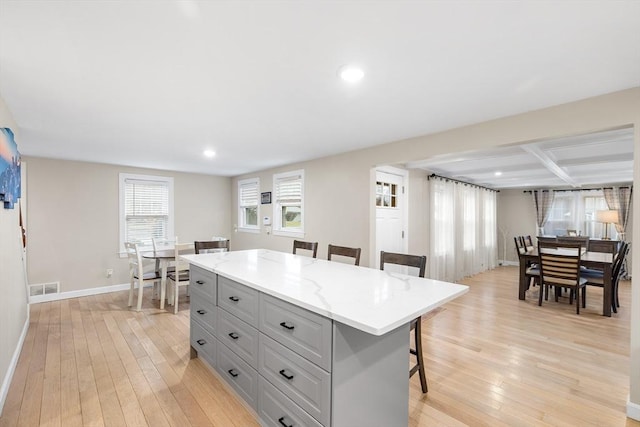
x: 278, y: 230
x: 242, y: 225
x: 122, y: 179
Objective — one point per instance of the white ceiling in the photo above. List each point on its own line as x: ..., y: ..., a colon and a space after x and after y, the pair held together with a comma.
x: 580, y: 161
x: 153, y: 84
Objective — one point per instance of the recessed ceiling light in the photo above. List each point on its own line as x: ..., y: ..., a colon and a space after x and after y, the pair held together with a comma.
x: 351, y: 73
x: 209, y: 153
x: 498, y: 173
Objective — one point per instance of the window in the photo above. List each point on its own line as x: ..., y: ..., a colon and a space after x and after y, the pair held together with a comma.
x: 146, y: 209
x: 288, y: 208
x: 576, y: 210
x: 248, y: 208
x: 386, y: 194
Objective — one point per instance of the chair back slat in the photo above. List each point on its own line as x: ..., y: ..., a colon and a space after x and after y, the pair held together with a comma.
x: 520, y: 246
x: 560, y: 263
x: 344, y: 251
x: 309, y: 246
x: 417, y: 261
x: 180, y: 263
x: 209, y: 245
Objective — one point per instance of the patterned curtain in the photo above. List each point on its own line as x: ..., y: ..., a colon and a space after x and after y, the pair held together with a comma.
x: 542, y: 201
x: 619, y: 198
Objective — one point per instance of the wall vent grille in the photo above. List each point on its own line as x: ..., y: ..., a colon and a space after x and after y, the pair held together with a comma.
x: 44, y: 289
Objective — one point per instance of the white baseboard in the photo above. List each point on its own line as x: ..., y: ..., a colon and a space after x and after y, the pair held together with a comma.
x: 514, y: 263
x: 80, y: 293
x: 633, y: 410
x: 6, y: 382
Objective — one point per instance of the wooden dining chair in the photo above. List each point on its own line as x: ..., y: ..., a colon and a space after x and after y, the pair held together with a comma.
x: 596, y: 277
x: 560, y: 268
x: 528, y: 242
x: 211, y: 245
x: 309, y: 246
x: 345, y: 252
x: 532, y: 270
x: 180, y: 276
x: 419, y: 262
x: 137, y: 273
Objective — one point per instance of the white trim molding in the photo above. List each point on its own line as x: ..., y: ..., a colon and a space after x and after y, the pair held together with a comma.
x: 6, y: 382
x: 80, y: 293
x: 633, y: 410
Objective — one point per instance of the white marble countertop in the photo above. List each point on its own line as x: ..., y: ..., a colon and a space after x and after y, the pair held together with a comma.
x: 367, y: 299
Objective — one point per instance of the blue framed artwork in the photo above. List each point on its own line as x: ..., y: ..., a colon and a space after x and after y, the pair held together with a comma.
x: 9, y: 169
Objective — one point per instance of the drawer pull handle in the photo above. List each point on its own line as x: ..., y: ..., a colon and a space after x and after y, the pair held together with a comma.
x: 284, y: 374
x: 199, y: 282
x: 233, y: 335
x: 234, y: 299
x: 201, y: 342
x: 233, y: 373
x: 281, y: 421
x: 201, y: 312
x: 284, y: 325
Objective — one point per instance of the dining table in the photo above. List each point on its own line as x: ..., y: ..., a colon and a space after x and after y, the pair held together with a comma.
x: 165, y: 257
x: 592, y: 260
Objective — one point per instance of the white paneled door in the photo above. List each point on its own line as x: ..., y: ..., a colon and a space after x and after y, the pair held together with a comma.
x: 390, y: 213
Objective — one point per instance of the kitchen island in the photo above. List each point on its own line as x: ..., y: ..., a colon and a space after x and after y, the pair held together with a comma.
x: 306, y: 341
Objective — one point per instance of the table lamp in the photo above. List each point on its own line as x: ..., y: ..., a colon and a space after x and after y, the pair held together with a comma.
x: 607, y: 217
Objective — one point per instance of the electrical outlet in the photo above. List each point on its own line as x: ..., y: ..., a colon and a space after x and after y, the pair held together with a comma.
x: 109, y: 272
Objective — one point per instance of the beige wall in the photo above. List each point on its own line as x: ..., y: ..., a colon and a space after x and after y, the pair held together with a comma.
x: 338, y: 188
x: 13, y: 295
x: 73, y: 219
x: 516, y: 217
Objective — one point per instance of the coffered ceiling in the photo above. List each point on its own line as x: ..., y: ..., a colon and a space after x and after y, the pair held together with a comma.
x: 573, y: 162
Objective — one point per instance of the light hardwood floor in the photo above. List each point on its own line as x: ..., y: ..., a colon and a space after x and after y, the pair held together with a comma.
x: 492, y: 360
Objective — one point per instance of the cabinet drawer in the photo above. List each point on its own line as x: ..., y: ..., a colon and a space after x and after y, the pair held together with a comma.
x: 242, y: 377
x: 277, y: 410
x: 302, y: 381
x: 239, y: 300
x: 304, y: 332
x: 204, y: 282
x: 204, y: 343
x: 239, y: 336
x: 203, y: 312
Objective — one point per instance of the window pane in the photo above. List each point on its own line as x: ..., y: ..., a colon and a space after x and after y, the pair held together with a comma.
x: 251, y: 216
x: 291, y: 216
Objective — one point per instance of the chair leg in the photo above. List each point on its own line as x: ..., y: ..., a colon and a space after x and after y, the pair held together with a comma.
x: 140, y: 293
x: 175, y: 298
x: 417, y: 328
x: 131, y: 292
x: 577, y: 300
x: 542, y: 289
x: 584, y: 297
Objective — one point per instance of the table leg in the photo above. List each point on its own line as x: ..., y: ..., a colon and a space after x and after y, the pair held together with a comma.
x: 607, y: 291
x: 522, y: 283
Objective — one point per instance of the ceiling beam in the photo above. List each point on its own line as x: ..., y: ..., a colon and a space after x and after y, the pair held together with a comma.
x: 550, y: 164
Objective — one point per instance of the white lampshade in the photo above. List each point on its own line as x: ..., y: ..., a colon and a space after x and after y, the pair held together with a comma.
x: 608, y: 216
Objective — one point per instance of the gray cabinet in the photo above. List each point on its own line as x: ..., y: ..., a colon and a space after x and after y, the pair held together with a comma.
x: 295, y: 367
x: 304, y: 332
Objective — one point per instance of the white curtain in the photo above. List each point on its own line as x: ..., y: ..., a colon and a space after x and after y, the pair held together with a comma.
x: 463, y: 237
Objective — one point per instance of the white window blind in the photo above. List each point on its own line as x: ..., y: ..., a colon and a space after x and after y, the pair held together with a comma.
x: 288, y: 203
x: 146, y: 208
x: 248, y: 192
